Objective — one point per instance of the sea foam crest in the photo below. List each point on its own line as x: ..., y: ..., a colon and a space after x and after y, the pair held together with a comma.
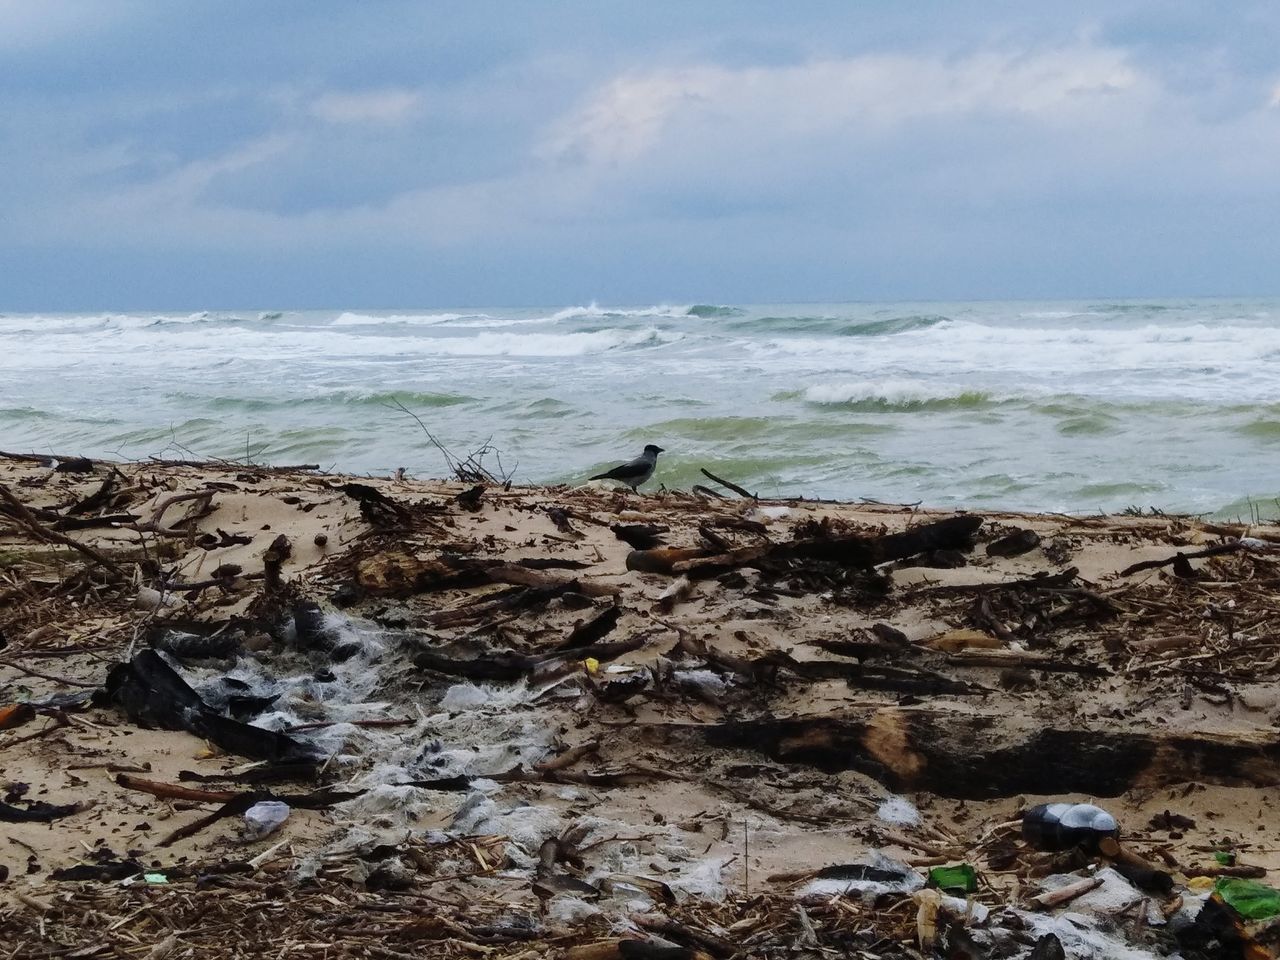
x: 595, y: 311
x: 349, y: 319
x: 548, y: 344
x: 895, y: 393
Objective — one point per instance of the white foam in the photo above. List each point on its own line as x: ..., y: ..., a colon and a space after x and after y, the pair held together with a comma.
x: 368, y: 320
x: 594, y: 311
x: 892, y: 392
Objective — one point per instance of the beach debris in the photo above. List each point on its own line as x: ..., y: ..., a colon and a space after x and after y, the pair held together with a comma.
x: 1248, y: 898
x: 15, y: 715
x: 740, y: 491
x: 153, y: 694
x: 264, y: 818
x: 953, y: 641
x: 589, y: 632
x: 1179, y: 561
x: 676, y: 592
x: 105, y: 869
x: 974, y: 756
x: 38, y: 811
x: 878, y: 876
x: 470, y: 499
x: 1048, y: 947
x: 640, y: 536
x: 375, y: 506
x: 1014, y: 544
x: 958, y: 878
x: 1062, y: 826
x: 847, y: 550
x: 553, y: 692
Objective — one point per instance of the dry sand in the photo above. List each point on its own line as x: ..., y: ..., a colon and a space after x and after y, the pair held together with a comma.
x: 713, y: 824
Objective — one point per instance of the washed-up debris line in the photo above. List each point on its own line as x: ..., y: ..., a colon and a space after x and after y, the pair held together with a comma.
x: 248, y: 710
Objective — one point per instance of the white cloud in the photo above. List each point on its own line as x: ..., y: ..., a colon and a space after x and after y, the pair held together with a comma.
x: 875, y: 93
x: 371, y: 106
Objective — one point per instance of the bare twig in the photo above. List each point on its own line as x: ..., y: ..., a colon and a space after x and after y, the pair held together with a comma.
x: 25, y: 516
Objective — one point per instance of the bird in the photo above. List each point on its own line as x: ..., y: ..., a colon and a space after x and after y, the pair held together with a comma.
x: 634, y: 472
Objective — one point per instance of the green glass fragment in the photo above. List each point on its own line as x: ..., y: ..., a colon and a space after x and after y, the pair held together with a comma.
x: 1249, y: 898
x: 155, y: 878
x: 1224, y: 858
x: 958, y: 878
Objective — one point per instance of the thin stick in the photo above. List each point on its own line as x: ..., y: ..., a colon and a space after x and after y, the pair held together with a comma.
x: 31, y: 523
x: 732, y: 486
x: 48, y: 676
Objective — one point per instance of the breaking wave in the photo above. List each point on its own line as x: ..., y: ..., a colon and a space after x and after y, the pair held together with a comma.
x: 893, y: 395
x: 549, y: 344
x: 709, y: 310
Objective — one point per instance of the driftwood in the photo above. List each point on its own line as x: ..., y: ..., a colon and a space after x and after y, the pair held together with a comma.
x: 174, y: 791
x: 507, y: 602
x: 43, y: 459
x: 1025, y: 659
x: 23, y: 515
x: 728, y: 485
x: 1056, y: 898
x: 375, y: 506
x: 852, y: 551
x: 594, y: 630
x: 1049, y: 581
x: 399, y: 574
x: 1180, y: 559
x: 977, y: 756
x: 203, y: 499
x: 766, y: 667
x: 867, y: 649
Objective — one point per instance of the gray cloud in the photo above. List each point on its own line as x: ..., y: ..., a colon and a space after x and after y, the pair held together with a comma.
x: 951, y: 152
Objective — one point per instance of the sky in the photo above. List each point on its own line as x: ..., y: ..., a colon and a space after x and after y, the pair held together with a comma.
x: 382, y: 154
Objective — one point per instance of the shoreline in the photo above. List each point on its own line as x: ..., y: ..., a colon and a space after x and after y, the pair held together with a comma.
x: 682, y: 736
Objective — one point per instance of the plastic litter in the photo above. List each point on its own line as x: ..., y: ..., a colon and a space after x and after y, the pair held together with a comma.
x: 879, y: 876
x: 1249, y: 898
x: 957, y: 878
x: 264, y: 818
x: 1061, y: 826
x: 898, y: 810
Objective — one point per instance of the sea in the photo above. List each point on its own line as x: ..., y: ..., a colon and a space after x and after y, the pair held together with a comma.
x: 1078, y: 407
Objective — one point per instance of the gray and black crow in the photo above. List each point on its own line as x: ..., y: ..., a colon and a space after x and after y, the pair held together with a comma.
x: 636, y: 471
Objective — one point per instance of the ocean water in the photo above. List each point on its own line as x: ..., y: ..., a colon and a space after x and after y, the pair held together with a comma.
x: 1078, y: 406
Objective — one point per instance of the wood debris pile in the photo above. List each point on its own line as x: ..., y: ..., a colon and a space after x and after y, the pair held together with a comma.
x: 554, y: 722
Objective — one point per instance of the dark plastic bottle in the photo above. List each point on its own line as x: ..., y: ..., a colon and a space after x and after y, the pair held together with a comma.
x: 1062, y: 826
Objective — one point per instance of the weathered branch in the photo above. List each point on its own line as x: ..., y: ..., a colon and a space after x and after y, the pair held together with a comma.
x: 23, y: 515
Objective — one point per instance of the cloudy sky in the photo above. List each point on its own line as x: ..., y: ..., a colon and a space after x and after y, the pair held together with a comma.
x: 384, y: 154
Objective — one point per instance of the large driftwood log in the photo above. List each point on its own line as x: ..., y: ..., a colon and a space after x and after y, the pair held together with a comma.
x: 951, y: 533
x: 979, y: 756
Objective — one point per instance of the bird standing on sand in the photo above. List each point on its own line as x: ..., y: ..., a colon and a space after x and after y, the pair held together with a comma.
x: 634, y: 472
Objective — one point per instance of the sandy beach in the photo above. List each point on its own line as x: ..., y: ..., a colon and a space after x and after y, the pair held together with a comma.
x: 502, y: 738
